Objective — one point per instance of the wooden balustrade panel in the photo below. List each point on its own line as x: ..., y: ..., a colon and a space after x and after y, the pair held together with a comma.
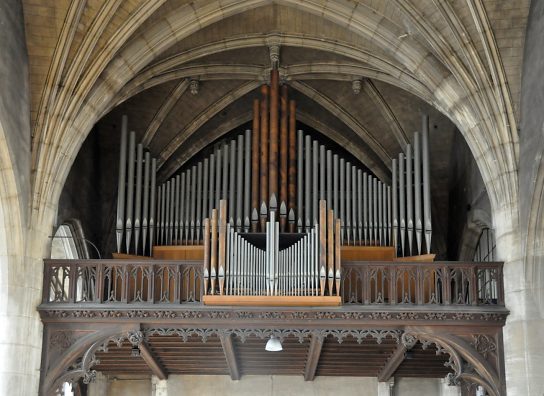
x: 365, y: 283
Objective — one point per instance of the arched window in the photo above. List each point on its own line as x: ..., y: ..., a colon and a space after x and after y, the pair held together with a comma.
x: 485, y: 249
x: 64, y: 245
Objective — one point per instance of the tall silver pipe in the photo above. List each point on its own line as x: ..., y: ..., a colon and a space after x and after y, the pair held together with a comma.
x: 198, y: 221
x: 205, y: 196
x: 164, y: 197
x: 375, y: 205
x: 193, y: 203
x: 159, y: 214
x: 360, y: 205
x: 232, y: 181
x: 409, y: 199
x: 417, y: 191
x: 384, y: 214
x: 211, y: 194
x: 394, y: 186
x: 379, y: 201
x: 176, y: 210
x: 342, y: 197
x: 307, y: 182
x: 188, y: 206
x: 138, y: 206
x: 347, y: 220
x: 354, y: 203
x: 172, y: 206
x: 315, y: 181
x: 365, y: 209
x: 152, y: 221
x: 335, y: 179
x: 218, y: 168
x: 389, y: 215
x: 402, y: 204
x: 145, y: 212
x: 300, y: 177
x: 329, y: 179
x: 426, y: 183
x: 322, y: 187
x: 168, y: 224
x: 182, y: 233
x: 130, y: 189
x: 240, y: 183
x: 247, y: 181
x: 225, y: 187
x: 120, y: 221
x: 229, y: 263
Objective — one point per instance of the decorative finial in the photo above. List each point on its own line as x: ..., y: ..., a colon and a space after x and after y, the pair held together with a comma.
x: 356, y: 86
x: 194, y: 87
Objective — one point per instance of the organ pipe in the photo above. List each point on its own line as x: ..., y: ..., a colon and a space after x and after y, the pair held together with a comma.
x: 426, y: 183
x: 130, y: 189
x: 121, y: 187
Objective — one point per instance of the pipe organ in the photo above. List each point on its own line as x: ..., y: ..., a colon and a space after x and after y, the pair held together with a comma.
x: 274, y: 180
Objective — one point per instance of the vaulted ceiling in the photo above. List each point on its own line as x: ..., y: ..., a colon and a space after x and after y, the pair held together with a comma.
x: 92, y: 61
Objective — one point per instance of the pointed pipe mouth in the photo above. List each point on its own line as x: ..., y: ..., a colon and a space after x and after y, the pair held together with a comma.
x: 273, y: 345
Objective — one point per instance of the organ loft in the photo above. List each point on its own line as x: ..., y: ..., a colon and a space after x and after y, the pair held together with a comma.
x: 282, y: 224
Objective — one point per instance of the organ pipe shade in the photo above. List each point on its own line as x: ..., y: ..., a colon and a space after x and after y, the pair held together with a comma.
x: 300, y: 170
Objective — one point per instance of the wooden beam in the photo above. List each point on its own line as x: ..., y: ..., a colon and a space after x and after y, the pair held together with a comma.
x: 155, y: 367
x: 392, y: 364
x: 316, y: 343
x: 230, y: 356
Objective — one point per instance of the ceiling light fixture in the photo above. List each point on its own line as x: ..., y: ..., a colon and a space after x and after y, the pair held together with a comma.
x: 273, y: 345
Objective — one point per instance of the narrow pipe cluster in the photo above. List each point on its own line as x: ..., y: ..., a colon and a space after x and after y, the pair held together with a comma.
x: 311, y: 266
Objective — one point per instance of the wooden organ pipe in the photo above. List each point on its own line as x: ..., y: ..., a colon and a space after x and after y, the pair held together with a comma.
x: 207, y: 241
x: 255, y: 151
x: 337, y: 256
x: 307, y: 181
x: 211, y: 195
x: 322, y: 245
x: 330, y: 250
x: 284, y: 149
x: 264, y: 146
x: 222, y: 245
x: 342, y: 196
x: 292, y: 141
x: 213, y: 250
x: 315, y: 182
x: 273, y: 140
x: 300, y: 174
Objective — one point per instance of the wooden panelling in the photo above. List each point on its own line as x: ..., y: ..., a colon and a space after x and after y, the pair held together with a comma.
x: 195, y: 252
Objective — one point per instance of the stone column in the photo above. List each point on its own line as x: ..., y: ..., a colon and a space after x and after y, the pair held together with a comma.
x: 386, y: 388
x: 99, y: 387
x: 159, y: 387
x: 447, y: 390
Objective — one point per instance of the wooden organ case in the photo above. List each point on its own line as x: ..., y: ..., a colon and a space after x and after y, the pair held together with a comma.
x: 273, y: 212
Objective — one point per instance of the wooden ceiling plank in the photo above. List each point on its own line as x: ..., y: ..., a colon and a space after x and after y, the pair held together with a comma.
x: 316, y: 344
x: 392, y: 363
x: 152, y: 362
x: 230, y: 356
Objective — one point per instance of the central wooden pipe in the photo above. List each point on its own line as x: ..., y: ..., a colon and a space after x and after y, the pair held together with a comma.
x: 274, y: 138
x: 264, y: 146
x: 255, y: 153
x: 292, y: 198
x: 283, y: 147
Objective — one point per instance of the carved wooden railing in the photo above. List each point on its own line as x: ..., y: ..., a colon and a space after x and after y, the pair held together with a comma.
x: 363, y: 283
x: 439, y: 283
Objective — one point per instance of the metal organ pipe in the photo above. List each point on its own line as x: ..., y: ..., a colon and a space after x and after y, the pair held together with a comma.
x: 176, y: 210
x: 402, y: 204
x: 300, y: 173
x: 130, y: 189
x: 426, y: 183
x: 347, y: 219
x: 138, y: 206
x: 198, y: 221
x: 342, y: 197
x: 145, y: 213
x: 182, y: 208
x: 152, y: 220
x: 417, y: 191
x: 119, y: 227
x: 239, y: 182
x: 307, y: 181
x: 394, y: 187
x: 255, y: 143
x: 315, y: 181
x: 205, y: 196
x: 409, y: 198
x: 231, y: 188
x: 247, y: 175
